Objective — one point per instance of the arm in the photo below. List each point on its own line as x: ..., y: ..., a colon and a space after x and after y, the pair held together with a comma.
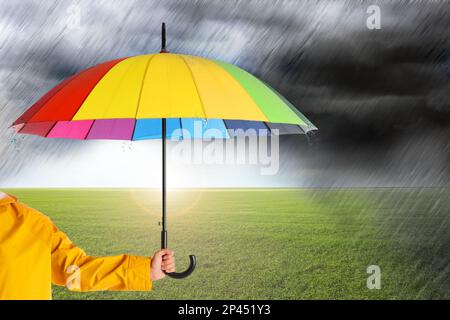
x: 80, y: 272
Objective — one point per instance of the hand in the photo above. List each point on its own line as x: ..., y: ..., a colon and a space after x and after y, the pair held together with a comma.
x: 162, y: 260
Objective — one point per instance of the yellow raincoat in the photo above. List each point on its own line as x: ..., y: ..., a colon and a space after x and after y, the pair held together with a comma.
x: 34, y: 253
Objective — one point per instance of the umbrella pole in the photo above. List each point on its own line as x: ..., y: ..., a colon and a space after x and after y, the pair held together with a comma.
x: 193, y: 260
x: 164, y: 217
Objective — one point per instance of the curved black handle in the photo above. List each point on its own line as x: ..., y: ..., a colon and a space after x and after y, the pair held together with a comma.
x: 184, y: 274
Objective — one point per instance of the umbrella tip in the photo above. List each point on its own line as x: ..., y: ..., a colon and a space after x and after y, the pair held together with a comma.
x: 163, y: 38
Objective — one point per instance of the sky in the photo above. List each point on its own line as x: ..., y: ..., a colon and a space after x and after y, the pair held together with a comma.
x: 380, y: 97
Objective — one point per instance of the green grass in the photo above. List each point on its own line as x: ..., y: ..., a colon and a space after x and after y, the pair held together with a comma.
x: 267, y: 244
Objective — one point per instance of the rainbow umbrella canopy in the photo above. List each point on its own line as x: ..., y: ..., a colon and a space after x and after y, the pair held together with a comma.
x: 161, y: 95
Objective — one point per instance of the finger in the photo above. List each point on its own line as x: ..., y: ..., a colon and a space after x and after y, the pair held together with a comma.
x: 168, y: 265
x: 168, y: 261
x: 167, y: 252
x: 168, y: 258
x: 165, y: 264
x: 166, y: 268
x: 163, y: 252
x: 170, y: 270
x: 159, y: 254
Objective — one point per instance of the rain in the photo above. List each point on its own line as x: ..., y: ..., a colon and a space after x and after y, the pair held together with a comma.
x: 380, y: 98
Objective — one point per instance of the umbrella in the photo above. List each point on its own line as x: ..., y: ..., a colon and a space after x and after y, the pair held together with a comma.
x: 160, y: 96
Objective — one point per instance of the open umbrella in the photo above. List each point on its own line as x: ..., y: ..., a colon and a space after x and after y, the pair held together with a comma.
x: 160, y: 96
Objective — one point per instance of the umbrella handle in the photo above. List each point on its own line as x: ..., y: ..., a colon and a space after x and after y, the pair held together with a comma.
x: 192, y: 263
x: 187, y: 272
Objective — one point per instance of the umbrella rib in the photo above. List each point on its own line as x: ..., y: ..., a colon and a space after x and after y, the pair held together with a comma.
x: 142, y: 86
x: 67, y: 80
x: 51, y: 128
x: 267, y: 127
x: 89, y: 130
x: 117, y: 87
x: 95, y: 83
x: 33, y: 112
x: 195, y: 85
x: 134, y: 128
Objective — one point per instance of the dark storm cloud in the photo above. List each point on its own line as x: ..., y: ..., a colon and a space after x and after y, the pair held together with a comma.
x: 374, y: 94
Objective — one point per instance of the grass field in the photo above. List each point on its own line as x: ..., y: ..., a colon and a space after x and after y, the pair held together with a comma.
x: 267, y: 243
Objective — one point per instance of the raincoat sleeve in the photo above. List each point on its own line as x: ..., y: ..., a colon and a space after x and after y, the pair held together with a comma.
x: 79, y: 272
